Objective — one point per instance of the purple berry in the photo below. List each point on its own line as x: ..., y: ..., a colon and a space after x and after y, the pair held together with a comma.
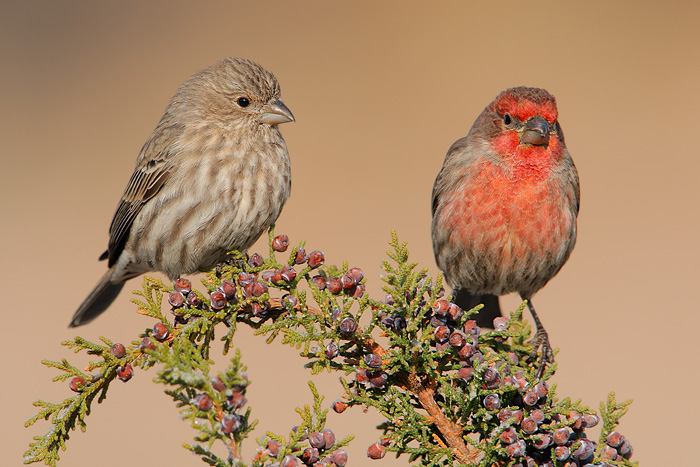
x: 339, y: 406
x: 561, y: 453
x: 316, y: 259
x: 442, y: 334
x: 273, y: 447
x: 332, y: 350
x: 561, y: 436
x: 300, y: 256
x: 509, y: 435
x: 309, y: 456
x: 255, y: 261
x: 358, y: 291
x: 530, y: 398
x: 160, y: 332
x: 329, y: 438
x: 615, y: 439
x: 441, y: 308
x: 373, y: 360
x: 590, y: 420
x: 176, y: 299
x: 316, y: 440
x: 244, y: 279
x: 218, y: 384
x: 339, y: 458
x: 516, y: 449
x: 457, y: 339
x: 77, y: 384
x: 528, y: 425
x: 319, y: 282
x: 228, y: 288
x: 348, y: 326
x: 492, y: 402
x: 335, y: 285
x: 583, y: 449
x: 361, y: 376
x: 203, y: 402
x: 118, y: 350
x: 146, y: 344
x: 182, y: 285
x: 231, y: 423
x: 218, y: 300
x: 280, y: 243
x: 492, y: 378
x: 376, y: 451
x: 288, y: 273
x: 542, y: 441
x: 125, y: 373
x: 289, y: 461
x: 465, y: 373
x: 377, y: 379
x: 194, y: 301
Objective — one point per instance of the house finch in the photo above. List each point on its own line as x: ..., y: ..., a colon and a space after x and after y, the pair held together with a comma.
x: 505, y: 205
x: 212, y: 177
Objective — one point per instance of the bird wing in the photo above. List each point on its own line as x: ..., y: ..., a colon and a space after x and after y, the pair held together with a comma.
x: 152, y: 171
x: 442, y: 182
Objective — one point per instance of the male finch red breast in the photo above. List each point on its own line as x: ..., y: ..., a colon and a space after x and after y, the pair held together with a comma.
x: 212, y: 177
x: 505, y: 205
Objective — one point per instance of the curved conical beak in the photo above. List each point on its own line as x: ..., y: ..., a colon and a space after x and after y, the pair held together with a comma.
x: 536, y: 131
x: 275, y: 112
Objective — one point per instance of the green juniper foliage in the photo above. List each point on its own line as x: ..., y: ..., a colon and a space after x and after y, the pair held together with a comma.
x: 450, y: 393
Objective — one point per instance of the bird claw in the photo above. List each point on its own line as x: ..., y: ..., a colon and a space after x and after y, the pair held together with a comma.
x: 229, y: 261
x: 541, y: 341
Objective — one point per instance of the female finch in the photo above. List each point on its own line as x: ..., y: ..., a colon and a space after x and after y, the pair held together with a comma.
x: 212, y: 177
x: 505, y: 205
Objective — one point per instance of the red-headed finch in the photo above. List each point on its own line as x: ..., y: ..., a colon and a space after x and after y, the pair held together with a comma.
x: 212, y: 177
x: 505, y: 205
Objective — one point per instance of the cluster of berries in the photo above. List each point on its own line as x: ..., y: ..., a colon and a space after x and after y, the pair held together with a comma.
x: 124, y: 372
x: 372, y: 376
x: 378, y: 450
x: 232, y: 421
x: 348, y: 283
x: 391, y: 321
x: 526, y: 431
x: 318, y: 454
x: 462, y: 340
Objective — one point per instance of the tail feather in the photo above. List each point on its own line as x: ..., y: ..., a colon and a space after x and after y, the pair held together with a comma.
x: 491, y: 310
x: 99, y: 299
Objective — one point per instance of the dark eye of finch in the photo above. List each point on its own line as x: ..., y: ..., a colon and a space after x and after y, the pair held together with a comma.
x: 506, y: 119
x: 243, y: 102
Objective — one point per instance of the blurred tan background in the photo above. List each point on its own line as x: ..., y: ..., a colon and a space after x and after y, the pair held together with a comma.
x: 380, y: 91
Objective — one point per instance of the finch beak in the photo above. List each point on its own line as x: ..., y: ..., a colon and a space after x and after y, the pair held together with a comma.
x: 275, y: 112
x: 536, y: 132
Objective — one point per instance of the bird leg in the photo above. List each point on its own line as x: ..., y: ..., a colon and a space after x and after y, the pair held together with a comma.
x: 231, y: 261
x: 540, y: 341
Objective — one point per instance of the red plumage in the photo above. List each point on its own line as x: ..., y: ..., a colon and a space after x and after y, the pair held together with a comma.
x: 505, y: 203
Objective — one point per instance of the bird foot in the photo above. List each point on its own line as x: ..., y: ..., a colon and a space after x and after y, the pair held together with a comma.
x: 541, y: 342
x: 229, y: 261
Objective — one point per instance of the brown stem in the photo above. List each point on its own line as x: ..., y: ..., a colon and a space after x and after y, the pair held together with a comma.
x: 424, y: 391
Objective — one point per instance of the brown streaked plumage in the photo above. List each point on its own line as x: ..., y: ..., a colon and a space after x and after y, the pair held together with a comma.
x: 212, y: 177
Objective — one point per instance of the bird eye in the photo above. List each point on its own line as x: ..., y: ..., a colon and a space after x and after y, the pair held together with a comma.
x: 243, y: 102
x: 507, y: 120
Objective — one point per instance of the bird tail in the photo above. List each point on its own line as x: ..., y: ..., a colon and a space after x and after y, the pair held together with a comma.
x: 99, y: 299
x: 491, y: 310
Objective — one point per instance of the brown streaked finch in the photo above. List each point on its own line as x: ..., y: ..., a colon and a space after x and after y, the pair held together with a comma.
x: 212, y: 177
x: 505, y: 205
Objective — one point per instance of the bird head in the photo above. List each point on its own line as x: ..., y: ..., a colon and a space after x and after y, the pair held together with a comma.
x: 521, y: 125
x: 233, y: 93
